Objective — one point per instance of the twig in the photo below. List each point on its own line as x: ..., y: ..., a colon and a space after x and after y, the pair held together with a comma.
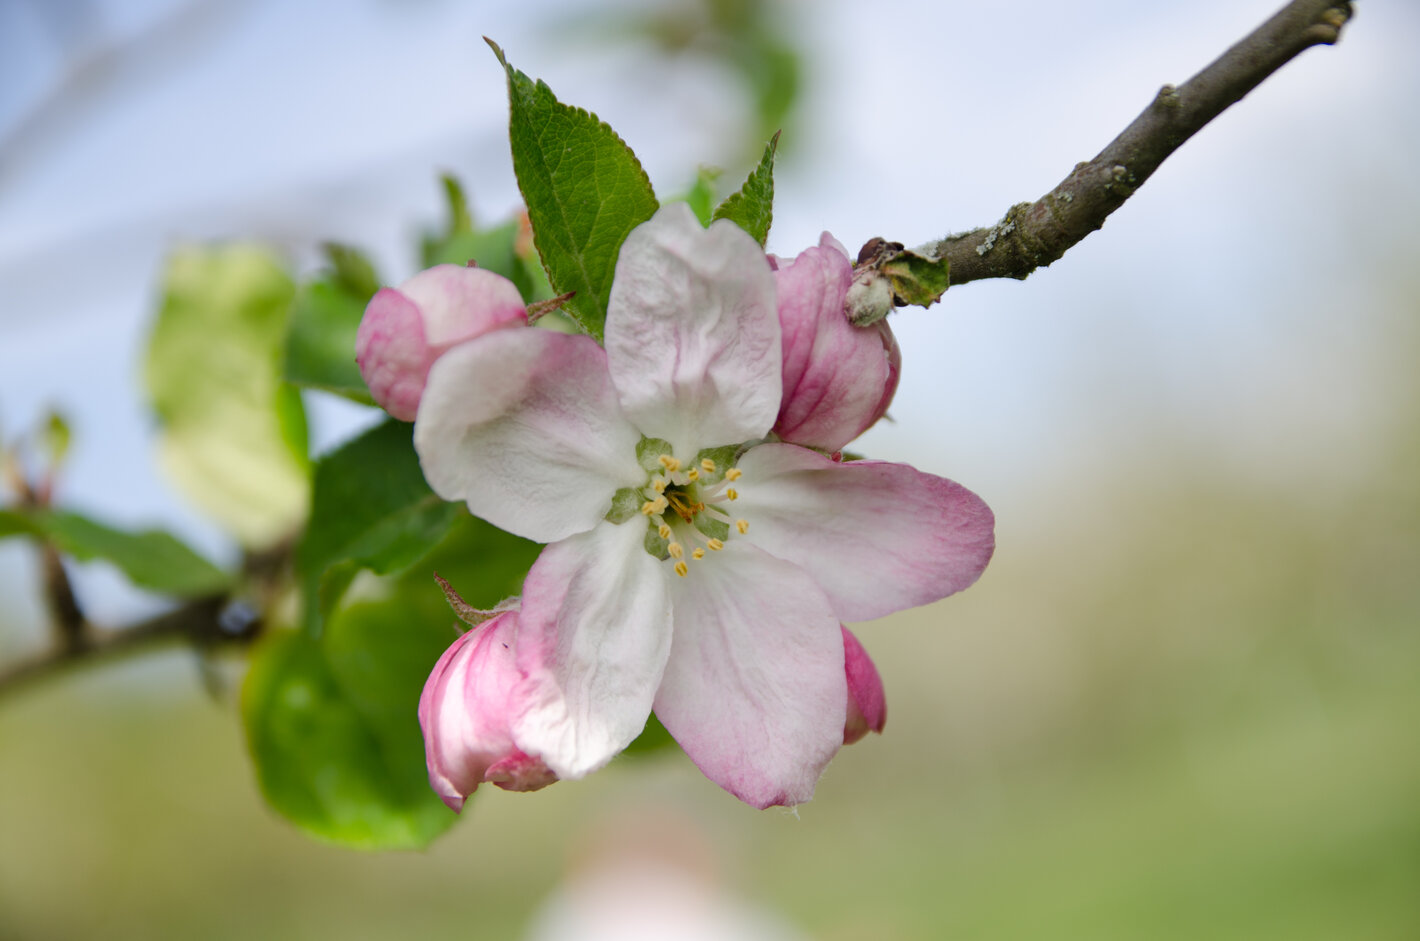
x: 1032, y: 235
x: 200, y: 622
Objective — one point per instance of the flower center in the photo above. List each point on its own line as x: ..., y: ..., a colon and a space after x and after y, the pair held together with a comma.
x: 688, y: 506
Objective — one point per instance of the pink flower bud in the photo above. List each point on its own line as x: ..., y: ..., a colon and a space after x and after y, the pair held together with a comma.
x: 838, y: 379
x: 867, y: 706
x: 406, y: 328
x: 466, y: 712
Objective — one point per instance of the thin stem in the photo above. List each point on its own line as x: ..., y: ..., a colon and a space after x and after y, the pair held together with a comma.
x: 1032, y: 235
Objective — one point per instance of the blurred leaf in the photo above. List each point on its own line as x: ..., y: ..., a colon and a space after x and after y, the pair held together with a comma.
x: 152, y: 558
x: 231, y: 434
x: 584, y: 188
x: 653, y: 738
x: 484, y: 564
x: 370, y: 509
x: 701, y: 195
x: 460, y: 220
x: 16, y: 524
x: 330, y: 753
x: 352, y: 270
x: 752, y: 208
x: 320, y: 347
x: 56, y: 437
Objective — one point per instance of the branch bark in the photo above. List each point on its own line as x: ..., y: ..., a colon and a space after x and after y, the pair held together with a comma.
x: 202, y: 622
x: 1032, y: 235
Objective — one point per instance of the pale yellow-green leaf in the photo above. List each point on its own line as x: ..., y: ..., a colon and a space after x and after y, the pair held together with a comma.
x: 231, y: 435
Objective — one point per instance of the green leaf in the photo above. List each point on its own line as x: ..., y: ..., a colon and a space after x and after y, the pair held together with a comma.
x: 916, y: 280
x: 352, y: 270
x: 370, y: 509
x: 320, y: 346
x: 484, y: 564
x: 229, y: 432
x: 584, y: 188
x: 333, y: 730
x: 701, y: 195
x: 152, y: 558
x: 752, y: 208
x: 460, y: 219
x: 653, y: 738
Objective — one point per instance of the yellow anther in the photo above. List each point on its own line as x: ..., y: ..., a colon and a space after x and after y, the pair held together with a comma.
x: 659, y: 485
x: 648, y: 508
x: 698, y: 554
x: 708, y: 466
x: 665, y: 531
x: 715, y: 545
x: 676, y: 550
x: 732, y: 493
x: 742, y: 526
x: 692, y: 475
x: 669, y: 463
x: 681, y: 569
x: 661, y: 503
x: 734, y: 473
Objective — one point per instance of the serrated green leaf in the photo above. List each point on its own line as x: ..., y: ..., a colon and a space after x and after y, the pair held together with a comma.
x: 370, y: 509
x: 320, y: 345
x: 584, y: 188
x: 752, y: 208
x: 333, y: 731
x: 153, y: 559
x: 227, y: 433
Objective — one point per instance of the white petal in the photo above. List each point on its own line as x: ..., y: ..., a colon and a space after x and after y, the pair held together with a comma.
x: 692, y: 333
x: 594, y: 634
x: 755, y: 690
x: 524, y: 425
x: 878, y: 537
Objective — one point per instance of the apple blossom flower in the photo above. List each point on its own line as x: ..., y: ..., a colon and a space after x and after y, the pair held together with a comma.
x: 867, y: 706
x: 692, y: 566
x: 838, y: 379
x: 406, y: 328
x: 466, y: 712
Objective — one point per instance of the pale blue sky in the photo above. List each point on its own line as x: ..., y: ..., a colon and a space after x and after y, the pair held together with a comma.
x: 1245, y: 304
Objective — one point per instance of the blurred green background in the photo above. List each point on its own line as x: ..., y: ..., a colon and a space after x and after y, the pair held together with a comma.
x: 1180, y: 711
x: 1181, y: 703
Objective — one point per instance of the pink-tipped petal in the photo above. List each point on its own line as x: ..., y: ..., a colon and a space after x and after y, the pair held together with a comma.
x: 867, y: 704
x: 524, y: 426
x: 466, y: 713
x: 692, y: 334
x: 754, y: 690
x: 596, y: 631
x: 459, y: 303
x: 838, y: 378
x: 392, y: 353
x: 878, y: 537
x: 405, y: 330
